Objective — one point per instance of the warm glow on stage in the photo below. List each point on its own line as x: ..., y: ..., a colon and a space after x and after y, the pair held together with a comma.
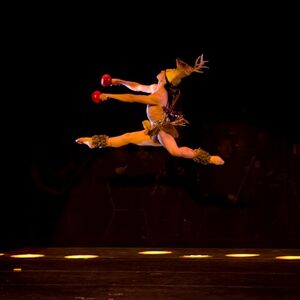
x: 155, y: 252
x: 17, y: 269
x: 289, y: 257
x: 29, y: 255
x: 242, y: 255
x: 196, y: 256
x: 80, y: 256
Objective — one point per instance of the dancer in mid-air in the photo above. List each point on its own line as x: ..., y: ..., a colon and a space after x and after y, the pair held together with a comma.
x: 160, y: 128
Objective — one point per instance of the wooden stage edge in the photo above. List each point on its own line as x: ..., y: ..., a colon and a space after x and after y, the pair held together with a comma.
x: 86, y: 273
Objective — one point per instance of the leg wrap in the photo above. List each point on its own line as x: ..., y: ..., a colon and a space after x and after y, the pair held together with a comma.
x: 99, y: 141
x: 201, y: 156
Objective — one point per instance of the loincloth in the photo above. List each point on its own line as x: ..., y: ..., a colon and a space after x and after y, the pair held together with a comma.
x: 164, y: 125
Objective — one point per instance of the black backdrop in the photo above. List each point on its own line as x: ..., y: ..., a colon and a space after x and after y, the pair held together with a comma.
x: 60, y: 193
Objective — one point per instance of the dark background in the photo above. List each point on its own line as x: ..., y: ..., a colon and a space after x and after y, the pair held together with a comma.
x: 56, y: 192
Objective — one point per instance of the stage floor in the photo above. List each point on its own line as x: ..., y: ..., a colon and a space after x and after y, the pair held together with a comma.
x: 132, y: 273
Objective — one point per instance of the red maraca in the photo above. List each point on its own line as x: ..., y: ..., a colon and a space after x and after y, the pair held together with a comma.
x: 106, y: 80
x: 96, y: 96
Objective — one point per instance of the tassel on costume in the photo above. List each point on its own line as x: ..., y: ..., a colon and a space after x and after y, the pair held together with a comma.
x: 201, y: 156
x: 99, y: 141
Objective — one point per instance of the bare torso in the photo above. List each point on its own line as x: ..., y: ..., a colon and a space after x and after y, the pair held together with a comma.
x: 155, y: 112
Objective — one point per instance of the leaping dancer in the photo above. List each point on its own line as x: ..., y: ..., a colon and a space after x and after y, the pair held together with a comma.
x: 159, y: 129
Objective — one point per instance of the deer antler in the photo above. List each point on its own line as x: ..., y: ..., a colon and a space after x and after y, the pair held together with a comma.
x: 200, y: 64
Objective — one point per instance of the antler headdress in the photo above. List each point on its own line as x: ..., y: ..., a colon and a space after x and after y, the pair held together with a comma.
x: 183, y: 69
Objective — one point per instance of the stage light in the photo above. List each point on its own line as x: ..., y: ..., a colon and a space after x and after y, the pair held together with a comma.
x: 28, y: 255
x: 196, y: 256
x: 288, y: 257
x: 242, y: 255
x: 17, y: 269
x: 155, y: 252
x: 80, y: 256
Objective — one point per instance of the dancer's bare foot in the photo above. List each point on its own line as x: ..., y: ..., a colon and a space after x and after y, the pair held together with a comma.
x: 216, y: 160
x: 85, y: 140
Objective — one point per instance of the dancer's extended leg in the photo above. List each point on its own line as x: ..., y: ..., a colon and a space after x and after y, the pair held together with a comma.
x: 100, y: 141
x: 198, y: 155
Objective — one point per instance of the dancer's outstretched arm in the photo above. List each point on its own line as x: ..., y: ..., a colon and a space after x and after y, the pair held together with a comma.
x: 145, y: 99
x: 135, y: 86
